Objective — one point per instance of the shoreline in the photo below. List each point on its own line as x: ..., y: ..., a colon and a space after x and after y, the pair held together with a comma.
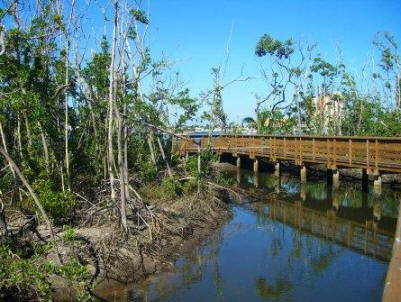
x: 133, y: 260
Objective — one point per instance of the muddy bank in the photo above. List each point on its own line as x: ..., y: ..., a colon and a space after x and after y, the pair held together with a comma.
x: 114, y: 257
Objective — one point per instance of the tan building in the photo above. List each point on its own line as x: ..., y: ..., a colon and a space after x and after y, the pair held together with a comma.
x: 329, y: 112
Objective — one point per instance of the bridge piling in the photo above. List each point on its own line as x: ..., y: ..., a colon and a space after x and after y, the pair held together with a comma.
x: 329, y: 177
x: 277, y: 169
x: 302, y: 192
x: 238, y: 162
x: 256, y: 165
x: 377, y: 185
x: 303, y: 174
x: 365, y: 181
x: 336, y: 178
x: 256, y: 179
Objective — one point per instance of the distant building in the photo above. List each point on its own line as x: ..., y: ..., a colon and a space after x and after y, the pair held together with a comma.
x: 329, y: 112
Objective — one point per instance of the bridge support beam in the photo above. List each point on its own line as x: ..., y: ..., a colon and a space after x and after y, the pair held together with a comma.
x: 303, y: 174
x: 376, y: 212
x: 238, y: 162
x: 336, y: 179
x: 256, y: 179
x: 365, y: 181
x: 335, y: 200
x: 277, y: 169
x: 256, y: 165
x: 377, y: 185
x: 302, y: 192
x: 277, y: 184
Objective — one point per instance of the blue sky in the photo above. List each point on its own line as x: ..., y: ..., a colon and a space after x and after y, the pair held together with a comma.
x: 195, y: 34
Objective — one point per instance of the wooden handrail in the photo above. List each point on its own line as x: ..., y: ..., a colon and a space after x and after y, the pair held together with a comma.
x: 376, y: 154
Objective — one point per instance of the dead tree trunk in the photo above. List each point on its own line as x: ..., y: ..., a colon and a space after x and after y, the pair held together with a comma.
x: 164, y: 157
x: 150, y: 144
x: 45, y: 149
x: 3, y: 140
x: 111, y: 101
x: 30, y: 190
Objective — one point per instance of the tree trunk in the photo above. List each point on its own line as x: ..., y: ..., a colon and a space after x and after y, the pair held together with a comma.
x: 125, y: 139
x: 121, y: 166
x: 164, y: 157
x: 199, y: 166
x: 19, y: 137
x: 150, y: 144
x: 111, y: 98
x: 3, y: 140
x: 28, y: 131
x: 31, y: 192
x: 45, y: 149
x: 67, y: 155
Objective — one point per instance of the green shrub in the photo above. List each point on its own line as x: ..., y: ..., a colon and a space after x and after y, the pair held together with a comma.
x: 29, y: 276
x: 146, y: 170
x: 59, y: 205
x: 224, y: 179
x: 190, y: 186
x: 69, y: 234
x: 207, y: 158
x: 171, y: 187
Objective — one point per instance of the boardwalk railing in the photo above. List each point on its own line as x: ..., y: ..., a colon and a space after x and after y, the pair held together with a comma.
x: 375, y: 154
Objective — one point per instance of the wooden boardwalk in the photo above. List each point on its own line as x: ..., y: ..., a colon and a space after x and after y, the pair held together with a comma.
x: 376, y: 154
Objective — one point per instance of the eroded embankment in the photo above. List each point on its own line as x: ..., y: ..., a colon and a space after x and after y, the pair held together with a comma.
x: 114, y: 256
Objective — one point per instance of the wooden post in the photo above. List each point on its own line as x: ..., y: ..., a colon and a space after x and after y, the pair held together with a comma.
x: 392, y: 288
x: 256, y: 179
x: 277, y: 169
x: 302, y: 192
x: 336, y: 178
x: 256, y: 165
x: 329, y: 177
x: 199, y: 166
x: 365, y: 181
x: 377, y: 185
x: 164, y: 157
x: 303, y: 174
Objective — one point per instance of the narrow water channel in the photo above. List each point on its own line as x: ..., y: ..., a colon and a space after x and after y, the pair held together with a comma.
x: 295, y: 243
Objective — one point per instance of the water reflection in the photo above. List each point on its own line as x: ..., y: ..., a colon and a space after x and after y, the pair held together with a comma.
x: 313, y: 243
x: 273, y: 292
x: 347, y: 201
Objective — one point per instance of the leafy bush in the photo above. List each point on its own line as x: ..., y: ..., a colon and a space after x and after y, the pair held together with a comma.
x: 146, y: 170
x: 28, y: 277
x: 171, y: 187
x: 190, y: 186
x: 224, y: 179
x: 207, y: 158
x: 59, y: 205
x: 69, y: 234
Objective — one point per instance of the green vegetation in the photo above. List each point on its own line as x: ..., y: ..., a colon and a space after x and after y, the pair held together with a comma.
x: 81, y: 134
x: 30, y: 275
x: 308, y: 95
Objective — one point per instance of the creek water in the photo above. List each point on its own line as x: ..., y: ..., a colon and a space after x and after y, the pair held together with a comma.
x: 293, y: 242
